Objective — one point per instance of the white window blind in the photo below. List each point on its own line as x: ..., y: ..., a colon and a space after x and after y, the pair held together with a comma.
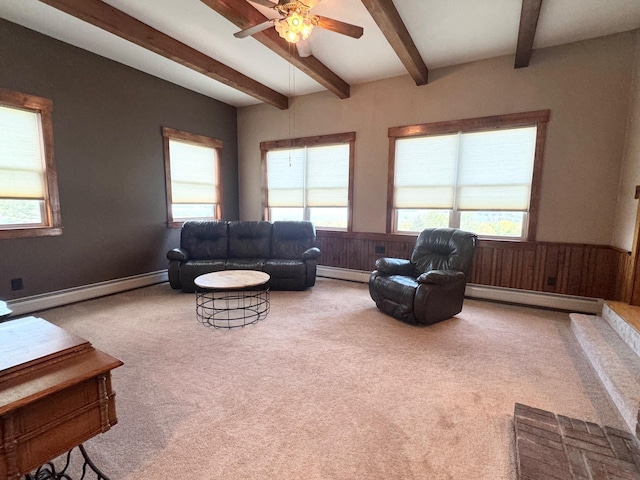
x: 22, y: 173
x: 308, y: 177
x: 328, y: 176
x: 495, y: 169
x: 425, y: 172
x: 466, y: 171
x: 285, y: 177
x: 193, y: 173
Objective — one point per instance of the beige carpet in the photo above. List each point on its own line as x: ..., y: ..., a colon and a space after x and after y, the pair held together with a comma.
x: 326, y: 387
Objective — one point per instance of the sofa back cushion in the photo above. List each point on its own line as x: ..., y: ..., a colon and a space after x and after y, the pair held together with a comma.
x: 249, y: 239
x: 289, y: 240
x: 444, y: 249
x: 205, y: 240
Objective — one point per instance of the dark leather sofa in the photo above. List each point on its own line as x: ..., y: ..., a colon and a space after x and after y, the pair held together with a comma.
x: 430, y: 286
x: 285, y: 250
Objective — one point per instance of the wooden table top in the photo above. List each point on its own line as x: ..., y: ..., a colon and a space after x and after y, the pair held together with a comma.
x: 231, y: 279
x: 40, y: 358
x: 31, y: 340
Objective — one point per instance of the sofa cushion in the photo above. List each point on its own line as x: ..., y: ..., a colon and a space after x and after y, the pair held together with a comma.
x: 249, y: 239
x: 194, y: 268
x: 205, y: 240
x: 290, y: 240
x: 245, y: 264
x: 286, y: 274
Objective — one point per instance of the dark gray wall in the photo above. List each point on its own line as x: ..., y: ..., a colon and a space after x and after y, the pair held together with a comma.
x: 107, y: 123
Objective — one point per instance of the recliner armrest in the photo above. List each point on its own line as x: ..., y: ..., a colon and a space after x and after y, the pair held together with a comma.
x: 179, y: 254
x: 395, y: 266
x: 442, y: 277
x: 312, y: 253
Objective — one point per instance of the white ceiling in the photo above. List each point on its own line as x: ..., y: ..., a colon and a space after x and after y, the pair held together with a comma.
x: 446, y: 32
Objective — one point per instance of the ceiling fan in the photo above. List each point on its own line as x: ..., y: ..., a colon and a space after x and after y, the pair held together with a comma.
x: 296, y: 22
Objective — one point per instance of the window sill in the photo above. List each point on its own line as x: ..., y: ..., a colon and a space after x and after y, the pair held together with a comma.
x: 328, y: 229
x: 30, y: 232
x: 179, y: 223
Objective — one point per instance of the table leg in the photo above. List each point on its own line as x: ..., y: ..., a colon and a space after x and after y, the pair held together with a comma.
x: 48, y: 471
x: 232, y: 308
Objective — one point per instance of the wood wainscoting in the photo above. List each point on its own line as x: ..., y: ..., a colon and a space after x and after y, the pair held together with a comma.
x: 596, y: 271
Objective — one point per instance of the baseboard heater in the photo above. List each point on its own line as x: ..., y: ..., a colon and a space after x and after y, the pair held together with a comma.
x: 58, y: 298
x: 44, y: 301
x: 499, y: 294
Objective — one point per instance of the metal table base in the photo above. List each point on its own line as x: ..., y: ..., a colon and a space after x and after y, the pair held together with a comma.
x: 232, y: 308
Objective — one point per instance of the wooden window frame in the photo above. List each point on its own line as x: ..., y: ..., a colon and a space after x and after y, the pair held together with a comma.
x: 201, y: 140
x: 331, y: 139
x: 538, y: 118
x: 52, y: 216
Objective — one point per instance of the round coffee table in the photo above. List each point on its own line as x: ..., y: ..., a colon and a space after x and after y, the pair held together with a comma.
x: 232, y: 298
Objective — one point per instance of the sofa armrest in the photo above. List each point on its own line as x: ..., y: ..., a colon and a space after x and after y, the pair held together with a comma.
x: 442, y: 277
x: 179, y: 254
x: 395, y: 266
x: 312, y: 253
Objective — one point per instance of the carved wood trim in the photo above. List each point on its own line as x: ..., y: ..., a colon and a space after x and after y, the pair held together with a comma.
x: 391, y: 184
x: 191, y: 138
x: 536, y: 179
x: 103, y: 399
x: 309, y: 141
x: 10, y: 445
x: 492, y: 122
x: 352, y: 156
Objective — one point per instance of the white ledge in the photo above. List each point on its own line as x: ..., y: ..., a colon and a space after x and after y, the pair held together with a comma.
x: 86, y: 292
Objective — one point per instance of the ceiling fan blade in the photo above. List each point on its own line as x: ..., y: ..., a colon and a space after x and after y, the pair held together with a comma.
x: 304, y: 48
x: 266, y: 3
x: 340, y: 27
x: 247, y: 32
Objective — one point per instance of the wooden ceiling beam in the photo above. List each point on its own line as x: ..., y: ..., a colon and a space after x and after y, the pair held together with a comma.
x: 390, y: 23
x: 104, y: 16
x: 527, y: 32
x: 243, y: 15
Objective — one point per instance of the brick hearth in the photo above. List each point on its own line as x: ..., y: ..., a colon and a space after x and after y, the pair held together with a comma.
x: 551, y: 446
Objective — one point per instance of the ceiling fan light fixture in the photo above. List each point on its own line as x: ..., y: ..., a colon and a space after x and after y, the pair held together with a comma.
x: 296, y: 26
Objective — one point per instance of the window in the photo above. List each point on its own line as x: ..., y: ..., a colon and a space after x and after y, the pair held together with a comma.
x: 480, y: 175
x: 29, y: 204
x: 310, y: 179
x: 192, y: 168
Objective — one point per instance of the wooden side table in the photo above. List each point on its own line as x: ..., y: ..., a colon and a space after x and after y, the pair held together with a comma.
x: 55, y: 394
x: 232, y: 298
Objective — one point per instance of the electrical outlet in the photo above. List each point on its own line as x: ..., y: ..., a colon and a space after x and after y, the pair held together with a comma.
x: 380, y: 249
x: 551, y: 281
x: 16, y: 284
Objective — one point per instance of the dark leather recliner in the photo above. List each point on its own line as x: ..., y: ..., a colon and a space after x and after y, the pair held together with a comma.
x: 430, y: 286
